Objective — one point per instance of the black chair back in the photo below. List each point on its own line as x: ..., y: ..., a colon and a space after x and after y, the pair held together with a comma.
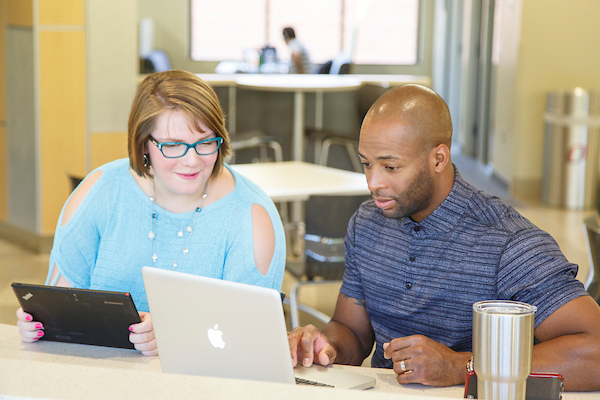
x: 325, y: 68
x: 593, y: 231
x: 326, y: 219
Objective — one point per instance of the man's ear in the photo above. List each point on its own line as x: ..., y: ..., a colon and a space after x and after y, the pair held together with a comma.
x: 441, y: 155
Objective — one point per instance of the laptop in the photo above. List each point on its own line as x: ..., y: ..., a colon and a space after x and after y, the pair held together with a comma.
x: 82, y: 316
x: 211, y: 327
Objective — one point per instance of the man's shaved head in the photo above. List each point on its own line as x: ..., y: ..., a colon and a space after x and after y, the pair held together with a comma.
x: 418, y: 107
x: 405, y: 149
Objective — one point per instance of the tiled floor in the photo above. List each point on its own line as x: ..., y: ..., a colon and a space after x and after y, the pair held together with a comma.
x: 18, y: 264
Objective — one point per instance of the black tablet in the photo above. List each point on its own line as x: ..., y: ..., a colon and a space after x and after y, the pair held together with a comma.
x: 83, y: 316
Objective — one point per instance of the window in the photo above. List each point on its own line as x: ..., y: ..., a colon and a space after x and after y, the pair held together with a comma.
x: 373, y: 31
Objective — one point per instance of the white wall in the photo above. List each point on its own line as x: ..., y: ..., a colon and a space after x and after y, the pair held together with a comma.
x: 559, y: 49
x: 112, y: 69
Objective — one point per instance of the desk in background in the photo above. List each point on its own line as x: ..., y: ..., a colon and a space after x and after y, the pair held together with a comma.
x: 229, y: 81
x: 299, y: 85
x: 375, y: 79
x: 298, y: 180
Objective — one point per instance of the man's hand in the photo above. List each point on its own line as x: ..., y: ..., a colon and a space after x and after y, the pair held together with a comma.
x: 426, y: 361
x: 307, y: 341
x: 142, y: 335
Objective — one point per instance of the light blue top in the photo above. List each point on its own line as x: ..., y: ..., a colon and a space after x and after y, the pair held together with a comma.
x: 105, y: 244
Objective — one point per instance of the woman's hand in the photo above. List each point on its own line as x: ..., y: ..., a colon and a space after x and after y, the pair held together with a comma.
x: 29, y: 329
x: 142, y: 335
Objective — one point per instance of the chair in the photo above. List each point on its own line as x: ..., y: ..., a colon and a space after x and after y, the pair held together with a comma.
x: 326, y: 221
x: 155, y: 61
x: 351, y: 146
x: 325, y: 68
x: 323, y: 140
x: 74, y: 180
x: 592, y: 283
x: 340, y: 64
x: 367, y: 95
x: 259, y: 141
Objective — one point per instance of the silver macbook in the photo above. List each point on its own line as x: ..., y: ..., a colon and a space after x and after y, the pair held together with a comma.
x: 212, y: 327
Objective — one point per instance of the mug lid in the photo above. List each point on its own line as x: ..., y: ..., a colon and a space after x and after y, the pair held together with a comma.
x: 504, y: 307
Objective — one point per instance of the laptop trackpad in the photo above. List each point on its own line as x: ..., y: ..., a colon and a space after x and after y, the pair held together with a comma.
x: 329, y: 376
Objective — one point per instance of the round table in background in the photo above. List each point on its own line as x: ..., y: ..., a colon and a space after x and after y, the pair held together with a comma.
x: 299, y: 85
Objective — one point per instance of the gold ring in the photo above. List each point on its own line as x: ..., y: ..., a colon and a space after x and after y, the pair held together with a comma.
x: 403, y: 366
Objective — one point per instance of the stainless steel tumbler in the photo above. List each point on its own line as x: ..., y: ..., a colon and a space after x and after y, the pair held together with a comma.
x: 502, y: 348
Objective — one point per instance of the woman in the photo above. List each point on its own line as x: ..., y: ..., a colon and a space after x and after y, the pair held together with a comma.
x: 174, y: 205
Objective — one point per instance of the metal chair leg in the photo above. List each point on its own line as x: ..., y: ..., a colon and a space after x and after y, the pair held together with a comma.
x: 295, y: 306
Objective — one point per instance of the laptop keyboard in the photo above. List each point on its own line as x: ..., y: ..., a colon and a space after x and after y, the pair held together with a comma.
x: 300, y: 381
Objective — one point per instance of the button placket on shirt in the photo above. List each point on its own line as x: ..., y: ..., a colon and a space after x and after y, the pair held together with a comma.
x: 412, y: 258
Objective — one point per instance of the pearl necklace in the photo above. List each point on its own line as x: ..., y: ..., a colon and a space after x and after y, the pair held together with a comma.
x: 180, y: 233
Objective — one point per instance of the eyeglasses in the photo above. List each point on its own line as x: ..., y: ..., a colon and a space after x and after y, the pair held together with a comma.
x: 204, y: 147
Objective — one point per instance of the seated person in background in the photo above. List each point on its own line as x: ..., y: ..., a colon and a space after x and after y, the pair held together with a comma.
x: 173, y: 204
x: 428, y: 246
x: 300, y: 63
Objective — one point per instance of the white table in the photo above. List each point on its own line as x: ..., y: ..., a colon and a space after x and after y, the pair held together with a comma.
x: 375, y: 79
x: 299, y: 85
x: 51, y: 370
x: 298, y: 180
x: 389, y: 80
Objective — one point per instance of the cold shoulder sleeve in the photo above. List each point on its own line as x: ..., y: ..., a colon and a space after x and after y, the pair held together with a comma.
x: 75, y: 246
x: 239, y: 265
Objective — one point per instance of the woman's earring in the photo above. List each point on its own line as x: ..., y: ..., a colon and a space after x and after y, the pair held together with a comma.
x: 146, y: 161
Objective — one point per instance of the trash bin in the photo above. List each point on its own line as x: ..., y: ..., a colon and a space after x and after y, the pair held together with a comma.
x: 572, y: 149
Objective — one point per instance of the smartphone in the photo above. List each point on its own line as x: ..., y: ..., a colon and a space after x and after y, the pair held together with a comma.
x: 540, y: 386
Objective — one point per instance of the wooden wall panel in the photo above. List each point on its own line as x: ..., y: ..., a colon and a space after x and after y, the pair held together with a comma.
x: 62, y: 118
x: 20, y: 13
x: 61, y: 12
x: 108, y: 146
x: 2, y: 63
x: 3, y: 176
x: 3, y: 148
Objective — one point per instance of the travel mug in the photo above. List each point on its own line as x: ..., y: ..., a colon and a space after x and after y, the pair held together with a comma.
x: 502, y: 348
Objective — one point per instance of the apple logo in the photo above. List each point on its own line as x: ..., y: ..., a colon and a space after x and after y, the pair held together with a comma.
x: 215, y: 336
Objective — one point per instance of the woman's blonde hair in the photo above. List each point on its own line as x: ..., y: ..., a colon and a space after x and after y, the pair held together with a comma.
x: 173, y: 90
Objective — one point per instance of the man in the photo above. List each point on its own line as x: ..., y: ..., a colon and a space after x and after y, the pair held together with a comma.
x: 300, y: 63
x: 428, y: 246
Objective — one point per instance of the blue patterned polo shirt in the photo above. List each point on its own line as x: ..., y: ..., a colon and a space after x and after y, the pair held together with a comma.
x: 423, y: 278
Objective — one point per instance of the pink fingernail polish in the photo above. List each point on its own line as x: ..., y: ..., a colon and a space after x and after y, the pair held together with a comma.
x: 28, y: 318
x: 38, y: 326
x: 130, y: 329
x: 40, y: 333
